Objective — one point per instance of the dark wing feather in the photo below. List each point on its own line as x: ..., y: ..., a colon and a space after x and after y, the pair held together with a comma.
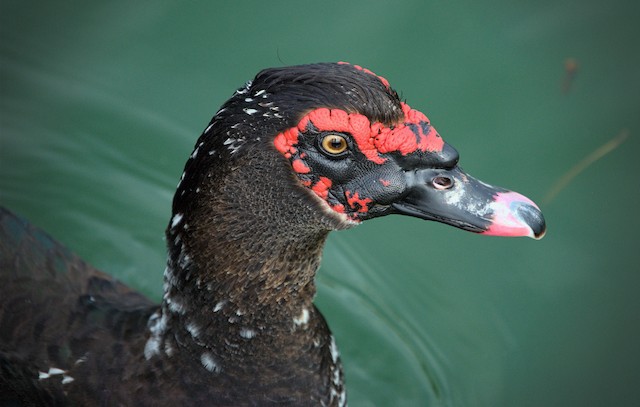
x: 55, y: 309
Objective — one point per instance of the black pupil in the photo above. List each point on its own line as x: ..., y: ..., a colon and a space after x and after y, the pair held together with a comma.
x: 336, y: 143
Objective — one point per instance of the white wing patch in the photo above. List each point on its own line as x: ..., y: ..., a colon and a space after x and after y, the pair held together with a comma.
x: 177, y: 218
x: 302, y: 319
x: 210, y: 363
x: 247, y: 333
x: 54, y: 371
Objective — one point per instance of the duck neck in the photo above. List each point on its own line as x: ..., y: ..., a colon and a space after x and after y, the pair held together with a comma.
x: 256, y: 274
x: 243, y: 254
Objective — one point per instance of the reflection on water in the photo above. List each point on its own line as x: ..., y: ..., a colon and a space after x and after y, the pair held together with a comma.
x: 354, y: 288
x: 100, y: 165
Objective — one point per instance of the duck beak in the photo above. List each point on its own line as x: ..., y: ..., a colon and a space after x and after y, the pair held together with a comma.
x: 453, y: 197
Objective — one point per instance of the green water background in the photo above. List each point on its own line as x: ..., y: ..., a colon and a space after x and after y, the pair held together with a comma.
x: 101, y: 103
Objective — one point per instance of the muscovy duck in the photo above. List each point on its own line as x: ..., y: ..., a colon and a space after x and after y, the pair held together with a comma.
x: 296, y: 153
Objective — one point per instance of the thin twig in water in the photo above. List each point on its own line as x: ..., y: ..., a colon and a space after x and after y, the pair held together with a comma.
x: 600, y: 152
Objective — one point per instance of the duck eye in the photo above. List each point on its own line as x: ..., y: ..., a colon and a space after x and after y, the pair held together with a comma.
x: 334, y: 144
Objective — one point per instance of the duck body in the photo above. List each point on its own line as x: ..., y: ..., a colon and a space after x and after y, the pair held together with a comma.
x: 116, y: 347
x: 296, y: 153
x: 87, y: 347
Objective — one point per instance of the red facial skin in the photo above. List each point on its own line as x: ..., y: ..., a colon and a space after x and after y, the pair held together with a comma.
x: 357, y: 203
x: 300, y: 167
x: 372, y: 139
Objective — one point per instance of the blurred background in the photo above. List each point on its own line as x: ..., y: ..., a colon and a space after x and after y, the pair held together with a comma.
x: 101, y: 104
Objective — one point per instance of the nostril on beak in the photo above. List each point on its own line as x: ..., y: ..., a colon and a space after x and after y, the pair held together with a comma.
x: 441, y: 182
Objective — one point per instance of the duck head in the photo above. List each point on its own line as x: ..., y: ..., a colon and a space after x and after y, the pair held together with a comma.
x: 360, y: 152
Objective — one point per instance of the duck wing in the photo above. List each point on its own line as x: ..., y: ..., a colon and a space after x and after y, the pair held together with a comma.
x: 58, y: 313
